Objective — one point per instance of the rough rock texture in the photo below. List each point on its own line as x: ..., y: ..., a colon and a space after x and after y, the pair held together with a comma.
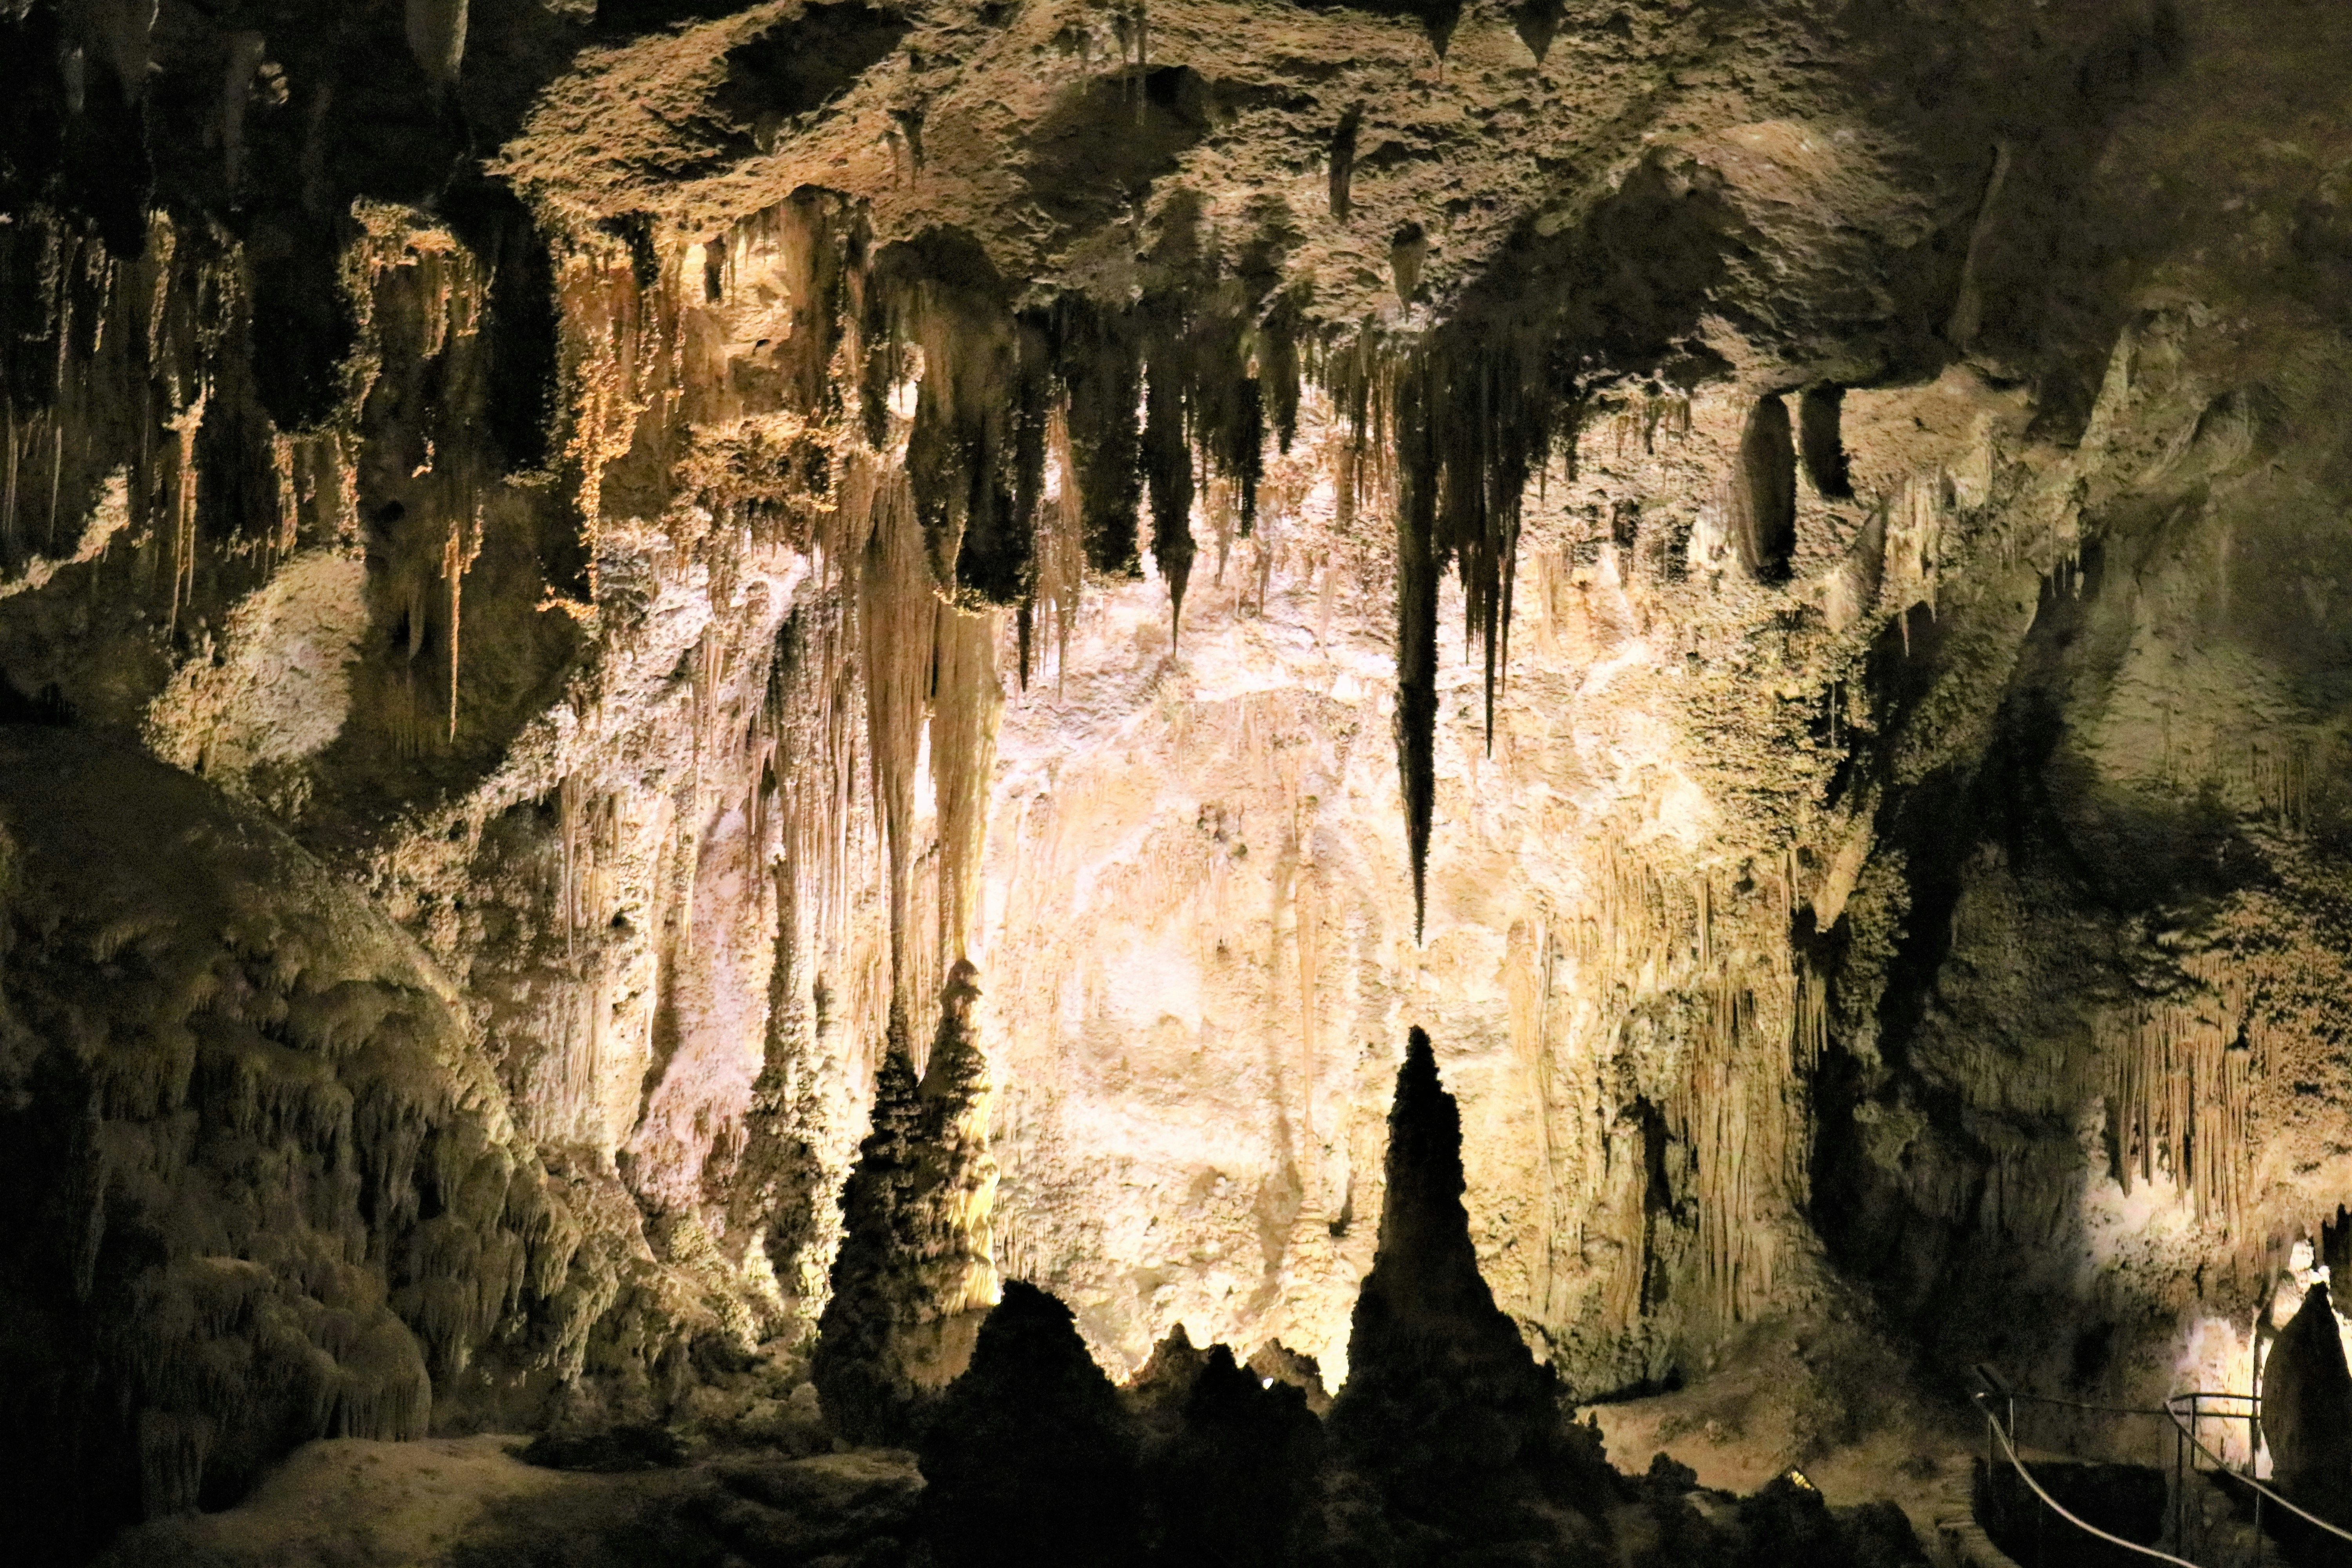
x: 705, y: 516
x: 911, y: 1281
x: 2307, y: 1408
x: 272, y: 1189
x: 467, y: 1503
x: 1454, y: 1429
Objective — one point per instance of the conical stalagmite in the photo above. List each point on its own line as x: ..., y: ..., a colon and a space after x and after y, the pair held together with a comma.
x: 858, y: 1365
x: 913, y: 1279
x: 1030, y: 1459
x: 955, y: 1187
x: 1446, y: 1414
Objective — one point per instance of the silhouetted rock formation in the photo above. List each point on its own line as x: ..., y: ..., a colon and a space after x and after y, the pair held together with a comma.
x: 1787, y: 1522
x: 1029, y: 1460
x: 1446, y: 1416
x: 1233, y: 1486
x: 912, y: 1279
x: 2307, y: 1409
x: 856, y: 1367
x: 1157, y: 1395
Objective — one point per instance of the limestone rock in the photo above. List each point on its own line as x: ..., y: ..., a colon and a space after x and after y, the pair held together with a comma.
x: 1029, y: 1457
x: 2307, y: 1408
x: 1446, y: 1413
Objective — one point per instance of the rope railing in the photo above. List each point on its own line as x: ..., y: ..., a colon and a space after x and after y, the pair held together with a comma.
x: 2188, y: 1424
x: 2186, y: 1415
x: 2008, y: 1447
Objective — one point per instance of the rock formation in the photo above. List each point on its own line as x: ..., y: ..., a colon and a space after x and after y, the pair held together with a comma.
x: 912, y: 1280
x: 1446, y: 1417
x: 1236, y: 1481
x: 275, y: 1190
x: 1029, y: 1457
x: 2307, y: 1409
x: 1766, y: 571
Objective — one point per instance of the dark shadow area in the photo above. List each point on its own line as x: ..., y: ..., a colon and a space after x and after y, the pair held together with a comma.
x: 2127, y: 1500
x: 1767, y: 492
x: 520, y: 333
x: 303, y: 327
x: 799, y: 65
x: 1822, y: 441
x: 1108, y: 137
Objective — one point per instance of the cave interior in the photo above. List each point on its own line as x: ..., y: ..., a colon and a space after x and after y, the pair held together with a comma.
x: 906, y: 784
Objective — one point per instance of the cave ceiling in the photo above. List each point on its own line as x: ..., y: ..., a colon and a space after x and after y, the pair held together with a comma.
x: 1772, y: 575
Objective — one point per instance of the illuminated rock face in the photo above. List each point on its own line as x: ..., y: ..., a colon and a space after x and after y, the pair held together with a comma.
x: 846, y: 491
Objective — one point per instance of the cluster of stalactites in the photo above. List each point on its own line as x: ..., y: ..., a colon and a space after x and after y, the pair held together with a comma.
x: 1691, y: 1165
x: 1031, y: 440
x: 111, y: 370
x: 1453, y: 427
x: 2181, y: 1089
x: 1134, y: 404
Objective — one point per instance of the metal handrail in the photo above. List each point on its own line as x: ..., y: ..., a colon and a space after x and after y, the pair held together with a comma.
x: 2187, y: 1429
x: 2058, y: 1508
x: 2081, y: 1404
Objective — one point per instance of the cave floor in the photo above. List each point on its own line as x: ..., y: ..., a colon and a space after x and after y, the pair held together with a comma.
x: 467, y: 1503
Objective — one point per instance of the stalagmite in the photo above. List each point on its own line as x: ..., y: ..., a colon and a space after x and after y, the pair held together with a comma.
x: 913, y: 1277
x: 1444, y: 1411
x: 2307, y: 1409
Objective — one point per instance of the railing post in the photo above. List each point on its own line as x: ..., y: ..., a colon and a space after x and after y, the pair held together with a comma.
x: 1992, y: 1475
x: 2254, y: 1434
x: 2179, y: 1500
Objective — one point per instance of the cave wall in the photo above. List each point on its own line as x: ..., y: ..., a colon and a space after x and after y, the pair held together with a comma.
x: 706, y: 517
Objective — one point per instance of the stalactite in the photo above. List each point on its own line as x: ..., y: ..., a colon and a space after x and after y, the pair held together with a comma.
x: 1343, y: 161
x: 1103, y: 371
x: 436, y: 37
x: 290, y: 503
x: 2279, y: 774
x: 458, y: 556
x: 183, y: 424
x: 896, y: 611
x: 965, y: 712
x: 1061, y: 546
x: 1461, y: 420
x: 1418, y: 562
x: 2181, y: 1084
x: 615, y: 353
x: 1168, y: 463
x: 1730, y: 1107
x: 589, y: 837
x: 1811, y: 1036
